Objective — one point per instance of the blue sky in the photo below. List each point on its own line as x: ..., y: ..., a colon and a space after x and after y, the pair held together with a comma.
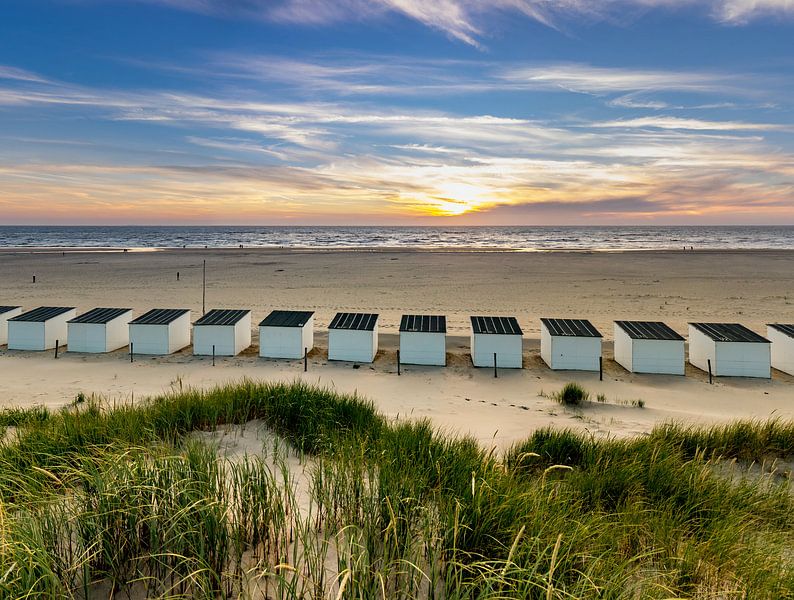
x: 396, y: 111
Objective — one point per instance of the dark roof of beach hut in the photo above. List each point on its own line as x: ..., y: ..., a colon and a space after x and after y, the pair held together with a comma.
x: 729, y: 332
x: 785, y: 328
x: 354, y: 321
x: 222, y: 316
x: 571, y: 327
x: 42, y: 313
x: 287, y: 318
x: 160, y: 316
x: 495, y: 325
x: 649, y: 330
x: 100, y: 315
x: 423, y: 323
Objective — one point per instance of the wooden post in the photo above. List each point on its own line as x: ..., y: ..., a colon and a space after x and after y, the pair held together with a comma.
x: 305, y: 359
x: 57, y: 343
x: 177, y: 275
x: 132, y: 352
x: 710, y: 379
x: 398, y: 363
x: 600, y: 368
x: 494, y: 366
x: 204, y: 288
x: 213, y: 355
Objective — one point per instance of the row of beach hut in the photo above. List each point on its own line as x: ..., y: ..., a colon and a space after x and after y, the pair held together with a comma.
x: 723, y: 349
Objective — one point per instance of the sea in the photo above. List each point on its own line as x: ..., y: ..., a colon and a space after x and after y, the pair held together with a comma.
x: 508, y: 238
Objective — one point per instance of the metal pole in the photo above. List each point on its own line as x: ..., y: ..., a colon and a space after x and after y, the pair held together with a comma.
x: 710, y: 380
x: 213, y: 355
x: 305, y: 359
x: 494, y: 366
x: 57, y: 343
x: 132, y: 352
x: 204, y: 288
x: 600, y: 368
x: 398, y: 362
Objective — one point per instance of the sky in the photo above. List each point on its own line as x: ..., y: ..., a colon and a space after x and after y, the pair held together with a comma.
x: 403, y: 112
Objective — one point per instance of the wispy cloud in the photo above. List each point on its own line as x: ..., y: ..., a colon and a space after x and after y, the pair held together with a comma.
x: 589, y: 79
x: 271, y: 158
x: 742, y: 11
x: 468, y: 20
x: 662, y: 122
x: 7, y: 72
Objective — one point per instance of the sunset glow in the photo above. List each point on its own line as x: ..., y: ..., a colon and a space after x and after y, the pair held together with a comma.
x: 410, y: 113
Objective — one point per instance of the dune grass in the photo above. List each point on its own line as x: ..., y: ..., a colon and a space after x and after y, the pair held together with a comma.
x: 97, y: 499
x: 572, y: 394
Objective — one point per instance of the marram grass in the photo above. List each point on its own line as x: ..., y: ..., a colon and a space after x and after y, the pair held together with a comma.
x: 99, y: 501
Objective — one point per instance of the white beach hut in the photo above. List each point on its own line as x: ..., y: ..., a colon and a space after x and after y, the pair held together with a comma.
x: 353, y: 337
x: 7, y: 312
x: 423, y: 340
x: 160, y: 331
x: 40, y: 328
x: 100, y: 330
x: 782, y: 338
x: 733, y: 350
x: 227, y: 331
x: 286, y: 334
x: 497, y: 339
x: 570, y: 344
x: 649, y: 347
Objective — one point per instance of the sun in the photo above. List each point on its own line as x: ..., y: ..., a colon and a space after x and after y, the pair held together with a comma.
x: 454, y: 199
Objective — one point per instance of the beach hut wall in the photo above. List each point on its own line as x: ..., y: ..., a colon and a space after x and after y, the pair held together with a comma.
x: 6, y: 313
x: 423, y: 340
x: 733, y: 350
x: 286, y: 334
x: 353, y: 337
x: 222, y: 332
x: 160, y: 331
x: 100, y: 330
x: 570, y: 344
x: 500, y: 336
x: 782, y: 352
x: 40, y: 328
x: 649, y: 347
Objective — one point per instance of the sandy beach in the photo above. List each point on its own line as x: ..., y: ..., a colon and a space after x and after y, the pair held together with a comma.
x: 751, y: 287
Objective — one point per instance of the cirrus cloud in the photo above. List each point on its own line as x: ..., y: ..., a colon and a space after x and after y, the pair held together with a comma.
x: 468, y: 20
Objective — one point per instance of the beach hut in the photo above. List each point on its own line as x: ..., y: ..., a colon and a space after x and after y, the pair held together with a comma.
x: 353, y: 336
x: 782, y: 338
x: 100, y: 330
x: 286, y: 334
x: 227, y: 331
x: 7, y: 312
x: 160, y: 331
x: 40, y: 328
x: 496, y: 339
x: 733, y: 350
x: 649, y: 347
x: 423, y: 340
x: 570, y: 344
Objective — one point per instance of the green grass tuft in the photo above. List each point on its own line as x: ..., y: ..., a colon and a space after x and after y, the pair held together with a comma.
x: 99, y: 501
x: 572, y: 394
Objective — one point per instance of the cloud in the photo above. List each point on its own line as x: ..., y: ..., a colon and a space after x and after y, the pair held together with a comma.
x: 739, y: 12
x: 263, y: 157
x: 7, y: 72
x: 589, y: 79
x: 468, y: 20
x: 349, y: 74
x: 663, y: 122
